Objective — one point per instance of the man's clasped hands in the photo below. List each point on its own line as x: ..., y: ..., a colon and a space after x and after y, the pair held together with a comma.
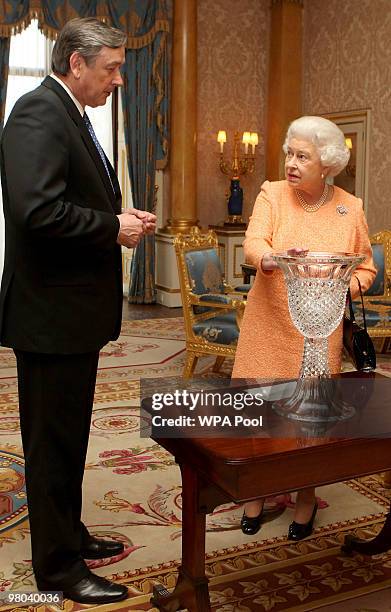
x: 134, y: 224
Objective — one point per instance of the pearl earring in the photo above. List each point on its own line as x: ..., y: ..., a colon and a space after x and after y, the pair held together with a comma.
x: 322, y: 176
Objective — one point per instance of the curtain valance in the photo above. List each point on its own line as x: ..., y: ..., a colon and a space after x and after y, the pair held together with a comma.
x: 142, y: 20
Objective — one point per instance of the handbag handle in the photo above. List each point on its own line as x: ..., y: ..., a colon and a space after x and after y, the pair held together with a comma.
x: 352, y: 317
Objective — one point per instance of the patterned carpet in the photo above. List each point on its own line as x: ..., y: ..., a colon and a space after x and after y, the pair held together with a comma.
x: 132, y: 493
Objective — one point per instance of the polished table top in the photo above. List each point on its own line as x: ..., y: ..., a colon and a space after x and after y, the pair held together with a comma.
x: 284, y: 454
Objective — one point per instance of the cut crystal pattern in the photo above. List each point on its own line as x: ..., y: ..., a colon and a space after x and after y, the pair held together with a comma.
x: 315, y: 358
x: 317, y: 285
x: 316, y: 305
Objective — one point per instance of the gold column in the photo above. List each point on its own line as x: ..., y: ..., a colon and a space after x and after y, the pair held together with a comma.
x: 285, y: 80
x: 183, y: 147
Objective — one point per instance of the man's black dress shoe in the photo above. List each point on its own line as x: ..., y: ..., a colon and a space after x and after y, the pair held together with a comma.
x: 299, y: 531
x: 250, y: 525
x: 91, y: 590
x: 380, y: 544
x: 99, y: 549
x: 377, y: 546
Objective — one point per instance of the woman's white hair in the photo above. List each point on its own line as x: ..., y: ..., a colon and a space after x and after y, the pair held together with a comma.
x: 327, y: 138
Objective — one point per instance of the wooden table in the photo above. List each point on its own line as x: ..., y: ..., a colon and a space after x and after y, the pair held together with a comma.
x: 221, y: 470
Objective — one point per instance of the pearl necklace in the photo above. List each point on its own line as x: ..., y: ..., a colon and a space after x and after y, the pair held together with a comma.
x: 313, y: 207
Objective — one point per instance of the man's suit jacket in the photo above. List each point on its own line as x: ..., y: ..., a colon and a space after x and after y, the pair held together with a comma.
x: 61, y: 290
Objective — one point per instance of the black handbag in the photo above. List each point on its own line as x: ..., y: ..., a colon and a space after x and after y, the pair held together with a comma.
x: 356, y: 339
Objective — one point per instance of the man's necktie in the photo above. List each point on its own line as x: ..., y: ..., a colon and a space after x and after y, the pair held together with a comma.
x: 97, y: 144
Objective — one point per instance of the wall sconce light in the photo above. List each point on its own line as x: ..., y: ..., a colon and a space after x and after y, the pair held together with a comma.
x: 240, y: 165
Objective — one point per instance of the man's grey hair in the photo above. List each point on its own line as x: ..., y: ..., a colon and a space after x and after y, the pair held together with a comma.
x: 86, y: 35
x: 326, y: 136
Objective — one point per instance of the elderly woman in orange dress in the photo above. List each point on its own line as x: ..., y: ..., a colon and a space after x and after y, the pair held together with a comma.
x: 303, y: 212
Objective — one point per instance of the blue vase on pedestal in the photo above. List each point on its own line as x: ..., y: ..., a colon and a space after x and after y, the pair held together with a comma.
x: 235, y: 202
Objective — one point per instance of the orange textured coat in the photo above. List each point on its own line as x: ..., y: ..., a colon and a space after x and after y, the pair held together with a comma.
x: 269, y: 345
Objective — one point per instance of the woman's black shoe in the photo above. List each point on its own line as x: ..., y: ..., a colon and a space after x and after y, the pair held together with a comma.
x: 250, y: 525
x: 298, y: 531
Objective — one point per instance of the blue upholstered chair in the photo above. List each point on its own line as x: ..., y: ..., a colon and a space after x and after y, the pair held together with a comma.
x: 377, y: 300
x: 212, y: 310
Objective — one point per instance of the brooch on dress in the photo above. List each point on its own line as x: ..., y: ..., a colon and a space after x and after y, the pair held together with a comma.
x: 342, y: 210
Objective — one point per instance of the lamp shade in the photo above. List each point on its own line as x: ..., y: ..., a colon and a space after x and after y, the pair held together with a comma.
x: 222, y: 136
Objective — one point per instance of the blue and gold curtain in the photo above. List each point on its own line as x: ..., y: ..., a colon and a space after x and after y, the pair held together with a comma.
x: 145, y: 103
x: 145, y: 95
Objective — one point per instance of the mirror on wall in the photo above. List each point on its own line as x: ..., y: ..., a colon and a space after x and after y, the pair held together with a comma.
x: 355, y: 126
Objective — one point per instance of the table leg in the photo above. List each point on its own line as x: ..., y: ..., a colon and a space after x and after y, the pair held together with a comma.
x: 380, y: 544
x: 191, y: 590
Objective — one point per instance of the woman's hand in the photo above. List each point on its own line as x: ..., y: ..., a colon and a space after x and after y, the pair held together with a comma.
x: 268, y: 263
x: 298, y: 251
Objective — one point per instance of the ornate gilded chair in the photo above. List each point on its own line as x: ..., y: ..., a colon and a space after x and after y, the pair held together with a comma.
x: 211, y: 309
x: 377, y: 300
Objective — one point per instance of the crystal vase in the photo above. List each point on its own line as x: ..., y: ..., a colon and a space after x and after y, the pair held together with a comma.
x: 317, y: 285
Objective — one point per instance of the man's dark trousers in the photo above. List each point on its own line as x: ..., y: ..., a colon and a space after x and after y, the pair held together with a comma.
x: 55, y: 401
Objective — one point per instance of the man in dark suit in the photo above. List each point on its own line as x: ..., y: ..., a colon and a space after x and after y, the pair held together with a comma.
x: 61, y: 292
